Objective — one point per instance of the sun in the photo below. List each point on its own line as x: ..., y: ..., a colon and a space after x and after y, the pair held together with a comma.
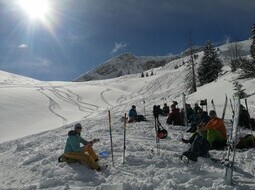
x: 36, y: 9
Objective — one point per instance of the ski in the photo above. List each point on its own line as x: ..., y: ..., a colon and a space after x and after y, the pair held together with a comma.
x: 224, y: 108
x: 184, y: 109
x: 213, y: 105
x: 232, y: 141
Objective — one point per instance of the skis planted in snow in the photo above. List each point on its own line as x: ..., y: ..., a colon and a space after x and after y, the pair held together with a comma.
x: 224, y: 108
x: 232, y: 141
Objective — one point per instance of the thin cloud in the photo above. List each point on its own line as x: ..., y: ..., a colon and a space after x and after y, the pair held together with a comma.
x: 23, y: 46
x: 119, y: 46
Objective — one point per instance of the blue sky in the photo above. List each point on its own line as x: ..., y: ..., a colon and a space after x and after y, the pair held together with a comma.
x: 78, y: 35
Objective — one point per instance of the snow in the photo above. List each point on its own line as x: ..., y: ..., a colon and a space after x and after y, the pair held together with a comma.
x: 36, y: 117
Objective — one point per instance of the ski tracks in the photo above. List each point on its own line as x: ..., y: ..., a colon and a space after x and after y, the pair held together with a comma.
x: 53, y: 105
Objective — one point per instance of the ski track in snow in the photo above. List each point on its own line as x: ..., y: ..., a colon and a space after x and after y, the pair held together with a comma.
x: 103, y: 98
x: 53, y: 105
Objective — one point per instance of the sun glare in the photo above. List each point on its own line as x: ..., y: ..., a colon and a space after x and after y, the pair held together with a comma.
x: 36, y: 9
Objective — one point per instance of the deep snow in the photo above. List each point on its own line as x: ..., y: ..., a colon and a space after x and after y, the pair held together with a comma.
x: 36, y: 116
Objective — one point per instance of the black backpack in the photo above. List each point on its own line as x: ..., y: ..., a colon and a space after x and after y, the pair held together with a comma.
x: 161, y: 132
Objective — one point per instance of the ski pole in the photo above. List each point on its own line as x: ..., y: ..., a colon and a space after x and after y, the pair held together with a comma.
x: 109, y: 114
x: 124, y: 146
x: 144, y: 107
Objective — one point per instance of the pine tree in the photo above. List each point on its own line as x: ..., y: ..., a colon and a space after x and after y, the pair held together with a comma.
x: 146, y: 74
x: 142, y: 75
x: 239, y: 90
x: 152, y: 72
x: 248, y: 66
x: 210, y: 65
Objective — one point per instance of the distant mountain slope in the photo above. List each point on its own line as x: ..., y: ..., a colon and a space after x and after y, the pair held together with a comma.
x: 130, y: 64
x: 125, y: 64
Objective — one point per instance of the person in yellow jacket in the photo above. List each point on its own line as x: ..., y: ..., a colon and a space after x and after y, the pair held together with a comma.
x: 83, y: 154
x: 215, y: 131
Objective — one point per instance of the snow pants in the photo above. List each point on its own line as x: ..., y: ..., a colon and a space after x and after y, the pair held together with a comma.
x: 86, y: 158
x: 214, y: 136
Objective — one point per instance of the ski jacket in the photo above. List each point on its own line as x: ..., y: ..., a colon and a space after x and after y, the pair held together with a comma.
x: 73, y: 142
x: 132, y: 114
x: 166, y: 110
x: 175, y: 117
x: 218, y: 125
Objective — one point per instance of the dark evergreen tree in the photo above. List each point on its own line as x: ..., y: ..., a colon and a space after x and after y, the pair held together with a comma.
x: 248, y: 66
x: 152, y: 72
x: 210, y: 65
x: 142, y: 75
x: 146, y: 74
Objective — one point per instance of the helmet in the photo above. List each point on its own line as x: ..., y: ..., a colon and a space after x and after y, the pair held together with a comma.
x: 77, y: 126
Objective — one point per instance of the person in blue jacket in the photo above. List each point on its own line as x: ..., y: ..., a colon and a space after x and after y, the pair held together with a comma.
x: 132, y: 114
x: 84, y: 154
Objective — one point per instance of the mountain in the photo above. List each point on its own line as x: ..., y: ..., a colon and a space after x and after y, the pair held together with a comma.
x: 128, y: 63
x: 125, y: 64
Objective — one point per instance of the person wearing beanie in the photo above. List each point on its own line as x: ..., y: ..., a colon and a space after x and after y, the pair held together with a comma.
x: 84, y: 154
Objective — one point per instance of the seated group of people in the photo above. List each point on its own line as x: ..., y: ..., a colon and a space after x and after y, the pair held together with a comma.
x: 208, y: 132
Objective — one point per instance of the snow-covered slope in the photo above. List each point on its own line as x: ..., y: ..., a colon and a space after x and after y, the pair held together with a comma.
x: 52, y: 108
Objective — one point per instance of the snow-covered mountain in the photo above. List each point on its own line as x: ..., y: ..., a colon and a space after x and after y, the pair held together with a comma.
x: 36, y: 117
x: 130, y: 64
x: 125, y: 64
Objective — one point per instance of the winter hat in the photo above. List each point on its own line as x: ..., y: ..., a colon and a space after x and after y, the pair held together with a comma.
x: 77, y: 125
x: 133, y: 106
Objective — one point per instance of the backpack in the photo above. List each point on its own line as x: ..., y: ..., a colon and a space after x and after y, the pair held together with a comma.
x: 161, y: 132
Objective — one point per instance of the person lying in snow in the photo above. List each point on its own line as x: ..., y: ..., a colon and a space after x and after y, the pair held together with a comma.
x: 83, y: 154
x: 133, y: 117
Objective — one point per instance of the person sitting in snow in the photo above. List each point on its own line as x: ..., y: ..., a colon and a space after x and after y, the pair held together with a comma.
x: 244, y: 118
x: 83, y: 154
x: 196, y: 108
x: 190, y: 113
x: 215, y: 131
x: 166, y: 109
x: 201, y: 118
x: 175, y: 117
x: 133, y: 117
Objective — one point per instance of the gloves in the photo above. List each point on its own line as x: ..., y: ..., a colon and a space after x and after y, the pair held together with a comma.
x: 95, y: 140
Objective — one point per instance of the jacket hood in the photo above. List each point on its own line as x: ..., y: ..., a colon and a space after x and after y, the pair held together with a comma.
x: 72, y: 133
